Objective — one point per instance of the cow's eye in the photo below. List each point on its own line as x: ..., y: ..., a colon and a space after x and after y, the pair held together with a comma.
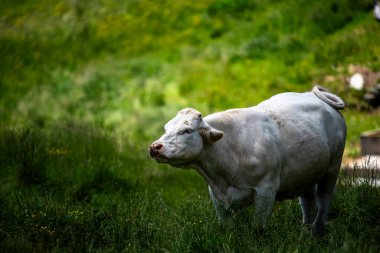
x: 186, y: 131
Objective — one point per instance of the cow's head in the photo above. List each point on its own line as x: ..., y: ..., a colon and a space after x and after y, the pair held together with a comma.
x: 184, y: 138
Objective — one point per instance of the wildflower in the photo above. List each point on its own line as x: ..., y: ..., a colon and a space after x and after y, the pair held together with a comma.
x: 57, y: 151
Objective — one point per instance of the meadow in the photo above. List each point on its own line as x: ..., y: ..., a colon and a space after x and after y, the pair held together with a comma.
x: 86, y: 86
x: 63, y: 190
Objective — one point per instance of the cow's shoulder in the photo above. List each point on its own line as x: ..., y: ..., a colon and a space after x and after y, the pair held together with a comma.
x: 237, y: 119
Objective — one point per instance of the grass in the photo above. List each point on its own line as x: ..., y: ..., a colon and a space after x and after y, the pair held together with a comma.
x: 85, y: 86
x: 81, y: 191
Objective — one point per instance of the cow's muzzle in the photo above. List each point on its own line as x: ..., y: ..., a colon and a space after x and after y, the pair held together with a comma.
x: 155, y: 148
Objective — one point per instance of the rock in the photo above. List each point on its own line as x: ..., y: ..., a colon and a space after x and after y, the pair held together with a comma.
x: 367, y: 162
x: 363, y: 170
x: 376, y: 11
x: 357, y: 81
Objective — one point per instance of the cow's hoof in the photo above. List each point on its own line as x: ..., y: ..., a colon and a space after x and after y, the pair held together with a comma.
x: 319, y: 230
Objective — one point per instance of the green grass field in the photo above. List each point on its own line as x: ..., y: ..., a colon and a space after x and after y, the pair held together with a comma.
x: 86, y: 86
x: 66, y: 190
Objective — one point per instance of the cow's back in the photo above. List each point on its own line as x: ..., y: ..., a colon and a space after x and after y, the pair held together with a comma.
x: 303, y: 116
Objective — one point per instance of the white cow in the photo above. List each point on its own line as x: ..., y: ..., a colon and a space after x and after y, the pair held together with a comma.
x: 287, y: 146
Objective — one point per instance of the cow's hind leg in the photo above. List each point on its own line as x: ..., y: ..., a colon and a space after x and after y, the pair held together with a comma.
x: 307, y: 203
x: 325, y: 192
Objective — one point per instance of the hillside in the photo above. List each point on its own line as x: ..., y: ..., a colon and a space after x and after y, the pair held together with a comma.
x: 128, y: 66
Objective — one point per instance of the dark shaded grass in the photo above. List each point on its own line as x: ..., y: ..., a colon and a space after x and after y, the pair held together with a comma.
x: 96, y: 197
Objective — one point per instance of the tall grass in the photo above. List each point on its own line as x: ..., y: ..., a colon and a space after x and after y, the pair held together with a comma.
x: 86, y: 191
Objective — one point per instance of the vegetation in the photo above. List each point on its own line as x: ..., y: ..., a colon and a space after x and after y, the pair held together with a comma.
x: 64, y: 190
x: 85, y: 86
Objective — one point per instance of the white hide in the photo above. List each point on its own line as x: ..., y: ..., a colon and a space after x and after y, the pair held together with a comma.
x: 288, y: 146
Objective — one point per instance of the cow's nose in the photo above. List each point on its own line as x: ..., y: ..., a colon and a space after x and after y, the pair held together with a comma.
x: 157, y: 146
x: 154, y: 149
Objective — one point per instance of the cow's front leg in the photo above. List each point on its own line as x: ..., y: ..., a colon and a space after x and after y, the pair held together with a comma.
x: 222, y: 211
x: 264, y: 201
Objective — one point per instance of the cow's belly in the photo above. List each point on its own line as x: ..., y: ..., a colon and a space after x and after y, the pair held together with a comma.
x: 292, y: 188
x: 305, y: 166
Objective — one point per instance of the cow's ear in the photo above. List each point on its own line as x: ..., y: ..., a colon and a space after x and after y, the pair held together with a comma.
x: 211, y: 135
x: 215, y: 135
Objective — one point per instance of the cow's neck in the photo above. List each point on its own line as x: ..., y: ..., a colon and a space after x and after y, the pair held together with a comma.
x: 217, y: 176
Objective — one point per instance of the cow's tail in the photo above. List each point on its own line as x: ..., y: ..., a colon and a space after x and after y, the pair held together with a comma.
x: 329, y: 98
